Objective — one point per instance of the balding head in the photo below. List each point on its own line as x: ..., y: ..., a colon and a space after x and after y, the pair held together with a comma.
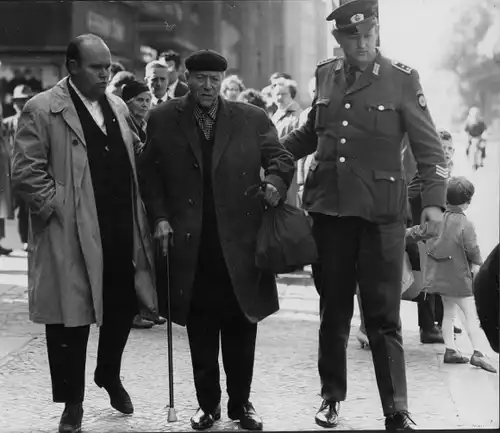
x: 88, y: 61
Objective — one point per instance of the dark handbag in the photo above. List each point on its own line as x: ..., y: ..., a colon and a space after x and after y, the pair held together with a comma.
x: 285, y: 242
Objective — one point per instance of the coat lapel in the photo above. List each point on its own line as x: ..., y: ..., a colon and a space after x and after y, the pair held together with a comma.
x: 187, y: 124
x: 62, y: 103
x: 223, y: 129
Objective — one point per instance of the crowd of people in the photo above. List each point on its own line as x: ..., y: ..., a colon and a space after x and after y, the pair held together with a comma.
x: 125, y: 177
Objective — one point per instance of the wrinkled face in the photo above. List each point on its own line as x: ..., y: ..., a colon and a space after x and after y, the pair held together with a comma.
x: 140, y: 105
x: 449, y: 150
x: 157, y: 81
x: 360, y: 49
x: 172, y: 71
x: 205, y: 86
x: 91, y: 74
x: 232, y: 91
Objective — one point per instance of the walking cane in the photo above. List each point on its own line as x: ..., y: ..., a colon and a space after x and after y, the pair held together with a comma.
x: 172, y: 416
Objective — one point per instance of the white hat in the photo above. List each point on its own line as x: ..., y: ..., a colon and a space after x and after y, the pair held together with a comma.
x: 22, y: 92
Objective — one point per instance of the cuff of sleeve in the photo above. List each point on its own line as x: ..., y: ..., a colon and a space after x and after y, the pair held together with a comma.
x: 46, y: 210
x: 434, y: 196
x: 278, y: 183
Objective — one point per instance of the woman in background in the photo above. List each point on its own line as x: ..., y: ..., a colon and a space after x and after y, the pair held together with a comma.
x: 231, y: 87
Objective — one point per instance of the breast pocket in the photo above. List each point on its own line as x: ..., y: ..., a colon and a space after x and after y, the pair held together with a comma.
x: 321, y: 112
x: 385, y: 118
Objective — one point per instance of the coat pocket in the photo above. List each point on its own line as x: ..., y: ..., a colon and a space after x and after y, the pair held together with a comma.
x: 389, y: 198
x: 385, y: 118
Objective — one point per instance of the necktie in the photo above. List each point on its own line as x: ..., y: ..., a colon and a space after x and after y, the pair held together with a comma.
x: 159, y: 101
x: 351, y: 75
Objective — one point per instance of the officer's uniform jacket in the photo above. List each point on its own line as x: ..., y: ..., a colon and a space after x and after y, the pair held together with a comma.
x: 358, y: 134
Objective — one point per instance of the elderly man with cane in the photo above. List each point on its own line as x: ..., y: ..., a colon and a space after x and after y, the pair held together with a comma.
x: 203, y: 154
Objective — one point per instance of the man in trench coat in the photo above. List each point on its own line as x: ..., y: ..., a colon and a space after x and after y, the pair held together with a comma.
x: 90, y: 256
x: 203, y: 154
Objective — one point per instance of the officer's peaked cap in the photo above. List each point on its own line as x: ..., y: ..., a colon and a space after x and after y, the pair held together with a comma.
x: 354, y: 16
x: 206, y: 60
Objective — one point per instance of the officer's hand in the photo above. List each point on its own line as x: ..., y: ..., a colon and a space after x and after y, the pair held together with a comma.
x: 272, y: 195
x: 432, y: 220
x: 164, y: 235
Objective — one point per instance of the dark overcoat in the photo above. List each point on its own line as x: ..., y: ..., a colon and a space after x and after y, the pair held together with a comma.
x: 172, y: 185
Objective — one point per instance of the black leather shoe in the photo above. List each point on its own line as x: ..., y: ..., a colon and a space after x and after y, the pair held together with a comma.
x: 202, y: 420
x: 160, y: 320
x: 398, y: 422
x: 431, y: 336
x: 328, y: 414
x: 248, y: 417
x: 118, y: 396
x: 71, y: 418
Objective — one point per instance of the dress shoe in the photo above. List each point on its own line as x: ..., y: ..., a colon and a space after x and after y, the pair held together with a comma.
x: 71, y: 418
x: 160, y: 320
x: 328, y: 414
x: 202, y: 420
x: 452, y: 356
x: 248, y: 417
x: 398, y: 422
x: 5, y: 251
x: 431, y: 336
x: 119, y: 397
x: 478, y: 360
x: 140, y: 323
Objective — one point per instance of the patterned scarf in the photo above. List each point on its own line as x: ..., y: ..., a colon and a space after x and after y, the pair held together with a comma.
x: 206, y: 118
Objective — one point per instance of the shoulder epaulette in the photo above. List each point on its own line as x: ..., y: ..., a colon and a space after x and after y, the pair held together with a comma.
x: 402, y: 67
x: 329, y: 60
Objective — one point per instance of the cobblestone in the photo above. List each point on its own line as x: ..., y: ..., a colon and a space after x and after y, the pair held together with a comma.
x: 285, y: 387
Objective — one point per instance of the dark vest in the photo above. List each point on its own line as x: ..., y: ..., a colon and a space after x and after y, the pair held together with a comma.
x: 111, y: 174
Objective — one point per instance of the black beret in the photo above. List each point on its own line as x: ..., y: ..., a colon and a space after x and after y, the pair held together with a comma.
x: 353, y: 16
x: 131, y: 90
x: 206, y: 60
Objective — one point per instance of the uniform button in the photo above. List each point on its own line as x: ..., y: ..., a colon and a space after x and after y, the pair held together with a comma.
x: 345, y: 123
x: 188, y: 236
x: 381, y: 108
x: 191, y: 202
x: 342, y: 159
x: 75, y: 142
x: 392, y: 179
x: 343, y: 140
x: 347, y: 105
x: 195, y: 165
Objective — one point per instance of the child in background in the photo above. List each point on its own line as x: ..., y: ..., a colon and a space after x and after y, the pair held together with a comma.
x: 452, y: 259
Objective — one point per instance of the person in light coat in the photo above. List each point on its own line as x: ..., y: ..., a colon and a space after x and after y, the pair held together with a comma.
x: 90, y: 257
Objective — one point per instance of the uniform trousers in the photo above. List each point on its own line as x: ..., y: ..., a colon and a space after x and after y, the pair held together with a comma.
x: 215, y: 319
x: 355, y: 251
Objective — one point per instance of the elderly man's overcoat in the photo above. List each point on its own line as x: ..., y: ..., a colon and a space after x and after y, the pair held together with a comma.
x: 51, y: 173
x: 172, y: 171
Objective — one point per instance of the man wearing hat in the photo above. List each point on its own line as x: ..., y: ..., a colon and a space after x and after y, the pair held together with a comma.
x: 356, y: 195
x: 20, y: 96
x: 202, y: 156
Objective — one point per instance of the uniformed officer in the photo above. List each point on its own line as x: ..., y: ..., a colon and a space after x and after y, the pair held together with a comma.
x: 356, y: 194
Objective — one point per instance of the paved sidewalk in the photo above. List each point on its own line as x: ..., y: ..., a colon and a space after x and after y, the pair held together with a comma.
x: 285, y: 387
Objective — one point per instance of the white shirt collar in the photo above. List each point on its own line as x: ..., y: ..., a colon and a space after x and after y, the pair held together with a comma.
x: 172, y: 87
x: 81, y: 96
x: 163, y: 98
